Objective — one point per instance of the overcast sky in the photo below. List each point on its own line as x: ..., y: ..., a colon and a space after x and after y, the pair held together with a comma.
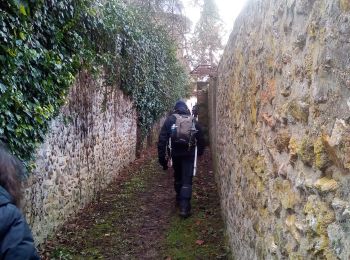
x: 228, y: 9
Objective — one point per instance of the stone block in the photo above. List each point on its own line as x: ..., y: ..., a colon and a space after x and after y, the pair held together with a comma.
x: 326, y: 184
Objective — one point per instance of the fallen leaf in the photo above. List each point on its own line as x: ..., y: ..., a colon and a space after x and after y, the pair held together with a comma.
x: 199, y: 242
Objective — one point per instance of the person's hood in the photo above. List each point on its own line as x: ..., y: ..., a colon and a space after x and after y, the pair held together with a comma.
x: 181, y: 108
x: 5, y: 197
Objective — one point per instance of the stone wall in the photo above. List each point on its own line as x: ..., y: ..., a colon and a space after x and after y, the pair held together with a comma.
x: 212, y: 117
x: 282, y: 130
x: 202, y: 105
x: 93, y: 137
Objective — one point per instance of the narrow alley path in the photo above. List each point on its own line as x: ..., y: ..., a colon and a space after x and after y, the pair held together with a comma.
x: 136, y: 218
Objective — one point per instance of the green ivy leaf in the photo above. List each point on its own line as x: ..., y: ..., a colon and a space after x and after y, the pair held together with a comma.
x: 19, y: 42
x: 22, y: 36
x: 22, y: 9
x: 12, y: 52
x: 3, y: 88
x: 39, y: 119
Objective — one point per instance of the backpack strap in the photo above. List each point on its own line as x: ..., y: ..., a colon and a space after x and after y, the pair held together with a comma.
x: 177, y: 116
x: 182, y: 116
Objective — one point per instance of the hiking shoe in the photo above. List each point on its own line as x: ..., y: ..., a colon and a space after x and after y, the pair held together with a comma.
x: 184, y: 213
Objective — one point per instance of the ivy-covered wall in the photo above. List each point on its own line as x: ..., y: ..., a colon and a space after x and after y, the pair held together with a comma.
x: 43, y: 44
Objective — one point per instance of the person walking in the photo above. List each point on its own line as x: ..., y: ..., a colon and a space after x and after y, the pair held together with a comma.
x: 182, y: 152
x: 16, y: 240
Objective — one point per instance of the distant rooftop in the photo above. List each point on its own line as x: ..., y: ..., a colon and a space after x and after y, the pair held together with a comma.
x: 204, y: 70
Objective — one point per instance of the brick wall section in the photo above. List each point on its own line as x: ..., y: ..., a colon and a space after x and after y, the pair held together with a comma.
x: 282, y: 136
x: 93, y: 137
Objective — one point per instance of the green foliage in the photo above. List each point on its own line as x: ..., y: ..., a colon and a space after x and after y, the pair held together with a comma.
x: 43, y: 44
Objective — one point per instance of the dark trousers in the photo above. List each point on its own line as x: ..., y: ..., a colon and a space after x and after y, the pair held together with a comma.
x: 183, y: 174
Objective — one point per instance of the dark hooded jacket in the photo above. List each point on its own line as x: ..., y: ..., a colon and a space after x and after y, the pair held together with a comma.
x: 180, y: 108
x: 16, y: 241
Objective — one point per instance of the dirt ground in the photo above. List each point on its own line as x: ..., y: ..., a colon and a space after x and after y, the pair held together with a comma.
x: 136, y: 218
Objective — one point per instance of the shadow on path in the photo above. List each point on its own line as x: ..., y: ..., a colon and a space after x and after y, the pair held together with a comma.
x: 136, y: 218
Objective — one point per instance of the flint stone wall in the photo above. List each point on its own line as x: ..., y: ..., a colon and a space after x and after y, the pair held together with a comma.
x: 282, y: 130
x: 93, y: 137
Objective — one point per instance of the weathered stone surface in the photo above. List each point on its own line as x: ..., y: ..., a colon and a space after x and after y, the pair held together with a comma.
x: 93, y: 137
x: 282, y: 141
x: 306, y: 151
x: 326, y: 184
x: 322, y: 158
x: 280, y: 134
